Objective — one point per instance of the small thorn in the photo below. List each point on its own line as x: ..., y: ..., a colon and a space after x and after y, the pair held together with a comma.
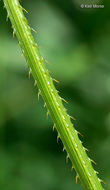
x: 35, y: 45
x: 47, y: 113
x: 85, y: 149
x: 7, y: 18
x: 30, y: 70
x: 55, y: 80
x: 35, y: 83
x: 39, y: 93
x: 4, y: 7
x: 72, y: 168
x: 47, y: 61
x: 19, y: 43
x: 44, y: 104
x: 78, y: 133
x: 24, y: 9
x: 54, y: 126
x: 93, y: 162
x: 77, y: 179
x: 14, y: 30
x: 22, y: 54
x: 64, y: 100
x: 64, y: 148
x: 102, y: 181
x: 96, y: 172
x: 72, y: 118
x: 33, y: 30
x: 67, y: 157
x: 58, y: 137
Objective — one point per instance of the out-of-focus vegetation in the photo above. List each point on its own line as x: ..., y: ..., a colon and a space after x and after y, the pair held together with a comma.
x: 77, y: 44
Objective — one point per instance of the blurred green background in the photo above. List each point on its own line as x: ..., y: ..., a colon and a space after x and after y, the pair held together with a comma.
x: 77, y: 44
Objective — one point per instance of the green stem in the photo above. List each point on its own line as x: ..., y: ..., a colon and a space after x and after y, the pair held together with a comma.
x: 69, y: 136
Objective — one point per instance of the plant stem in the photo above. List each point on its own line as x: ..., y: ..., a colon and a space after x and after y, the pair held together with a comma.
x: 53, y: 102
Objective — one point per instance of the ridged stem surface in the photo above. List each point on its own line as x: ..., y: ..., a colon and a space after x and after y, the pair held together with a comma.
x: 53, y: 102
